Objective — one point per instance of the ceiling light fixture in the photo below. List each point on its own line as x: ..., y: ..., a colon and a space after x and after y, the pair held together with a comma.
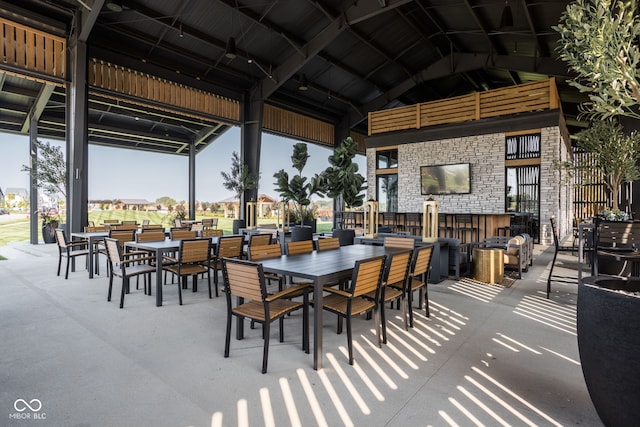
x: 181, y: 32
x: 231, y: 51
x: 303, y: 83
x: 506, y: 20
x: 114, y: 5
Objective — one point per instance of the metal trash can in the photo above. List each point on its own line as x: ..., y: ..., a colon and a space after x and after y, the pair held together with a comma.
x: 488, y: 265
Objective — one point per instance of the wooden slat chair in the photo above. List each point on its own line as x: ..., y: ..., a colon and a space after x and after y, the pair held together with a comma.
x: 210, y: 223
x: 418, y: 272
x: 132, y: 222
x: 258, y: 240
x: 193, y: 258
x: 124, y: 226
x: 298, y: 248
x: 245, y: 280
x: 258, y: 253
x: 176, y: 234
x: 70, y: 249
x: 152, y: 235
x: 197, y: 227
x: 557, y: 248
x: 399, y: 242
x: 227, y: 247
x: 394, y: 287
x: 355, y: 300
x: 617, y: 241
x: 328, y: 243
x: 212, y: 232
x: 126, y: 265
x: 146, y: 227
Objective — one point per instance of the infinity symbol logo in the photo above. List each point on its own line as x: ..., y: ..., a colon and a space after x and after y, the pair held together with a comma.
x: 21, y: 405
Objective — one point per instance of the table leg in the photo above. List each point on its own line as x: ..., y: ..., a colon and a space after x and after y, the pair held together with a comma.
x: 317, y: 324
x: 159, y: 278
x: 91, y: 243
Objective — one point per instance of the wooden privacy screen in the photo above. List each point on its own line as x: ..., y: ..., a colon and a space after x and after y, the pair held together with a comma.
x: 32, y: 50
x: 479, y: 105
x: 140, y: 85
x: 286, y: 122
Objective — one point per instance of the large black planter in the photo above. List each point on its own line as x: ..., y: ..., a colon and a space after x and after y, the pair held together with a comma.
x: 299, y: 233
x: 345, y: 236
x: 609, y: 344
x: 49, y: 233
x: 237, y: 225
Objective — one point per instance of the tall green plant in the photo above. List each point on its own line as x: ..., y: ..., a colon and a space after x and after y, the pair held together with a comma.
x: 599, y: 39
x: 298, y: 190
x: 342, y: 177
x: 239, y: 179
x: 615, y: 154
x: 49, y: 169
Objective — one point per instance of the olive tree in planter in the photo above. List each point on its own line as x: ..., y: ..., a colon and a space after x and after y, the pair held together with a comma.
x: 599, y: 39
x: 50, y: 174
x: 299, y: 191
x: 238, y: 180
x: 344, y: 183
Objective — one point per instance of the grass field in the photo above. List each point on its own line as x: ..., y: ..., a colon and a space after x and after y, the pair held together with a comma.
x: 18, y: 231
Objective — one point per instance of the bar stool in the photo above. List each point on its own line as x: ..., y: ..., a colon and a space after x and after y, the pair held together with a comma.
x: 464, y: 225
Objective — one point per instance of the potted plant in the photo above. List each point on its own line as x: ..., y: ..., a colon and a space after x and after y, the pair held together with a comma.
x: 50, y: 174
x: 238, y: 180
x: 299, y: 191
x: 599, y: 39
x: 344, y: 183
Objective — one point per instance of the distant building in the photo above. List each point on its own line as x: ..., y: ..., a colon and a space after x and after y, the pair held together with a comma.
x: 264, y: 206
x: 135, y: 204
x: 16, y: 198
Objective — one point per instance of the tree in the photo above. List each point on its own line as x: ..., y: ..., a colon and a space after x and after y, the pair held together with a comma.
x: 49, y: 169
x: 615, y: 154
x: 599, y: 39
x: 239, y: 179
x: 342, y: 177
x: 165, y: 201
x: 298, y: 190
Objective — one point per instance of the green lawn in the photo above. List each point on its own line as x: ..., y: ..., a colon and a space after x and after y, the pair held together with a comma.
x: 17, y: 231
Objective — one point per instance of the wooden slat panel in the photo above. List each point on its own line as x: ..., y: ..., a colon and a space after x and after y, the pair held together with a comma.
x: 30, y: 49
x: 20, y: 49
x: 39, y: 48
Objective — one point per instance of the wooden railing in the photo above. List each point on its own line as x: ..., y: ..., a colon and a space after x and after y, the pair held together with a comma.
x: 499, y: 102
x: 32, y: 50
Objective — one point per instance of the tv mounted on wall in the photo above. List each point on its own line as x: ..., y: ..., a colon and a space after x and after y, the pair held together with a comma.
x: 445, y: 179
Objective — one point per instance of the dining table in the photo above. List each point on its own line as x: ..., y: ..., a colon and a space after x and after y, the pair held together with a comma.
x: 161, y: 248
x: 92, y: 237
x: 323, y: 267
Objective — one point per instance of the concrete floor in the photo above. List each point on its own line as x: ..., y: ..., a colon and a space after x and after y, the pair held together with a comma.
x: 487, y: 356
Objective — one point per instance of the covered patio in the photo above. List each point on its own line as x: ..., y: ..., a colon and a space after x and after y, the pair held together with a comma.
x: 489, y: 355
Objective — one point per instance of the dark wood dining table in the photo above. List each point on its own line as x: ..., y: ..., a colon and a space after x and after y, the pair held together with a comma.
x: 323, y: 267
x: 161, y: 248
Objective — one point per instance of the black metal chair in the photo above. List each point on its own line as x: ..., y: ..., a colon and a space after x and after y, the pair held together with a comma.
x: 557, y: 248
x: 69, y: 249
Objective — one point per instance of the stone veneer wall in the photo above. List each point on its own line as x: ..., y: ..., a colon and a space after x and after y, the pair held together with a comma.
x: 485, y: 153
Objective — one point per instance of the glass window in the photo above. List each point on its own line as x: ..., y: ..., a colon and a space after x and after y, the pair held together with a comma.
x: 387, y: 159
x: 523, y: 146
x: 387, y: 190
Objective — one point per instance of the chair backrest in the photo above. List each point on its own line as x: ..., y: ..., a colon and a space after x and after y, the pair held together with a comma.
x: 122, y: 236
x: 243, y: 279
x: 111, y: 221
x: 134, y: 222
x: 194, y: 250
x: 259, y: 239
x: 421, y: 260
x: 367, y: 276
x: 197, y: 227
x: 300, y: 247
x: 152, y: 227
x: 617, y: 234
x: 260, y: 252
x: 96, y: 229
x: 208, y: 222
x: 182, y: 234
x: 554, y: 231
x: 399, y: 242
x: 60, y: 238
x: 211, y: 232
x: 125, y: 227
x: 328, y: 243
x: 145, y: 222
x: 150, y: 236
x: 397, y: 269
x: 114, y: 251
x: 91, y: 223
x: 229, y: 247
x: 177, y: 222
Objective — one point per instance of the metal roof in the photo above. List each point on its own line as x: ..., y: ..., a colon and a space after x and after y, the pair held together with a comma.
x: 352, y: 57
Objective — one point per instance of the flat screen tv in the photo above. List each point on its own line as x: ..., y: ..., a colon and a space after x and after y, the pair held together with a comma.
x: 445, y: 179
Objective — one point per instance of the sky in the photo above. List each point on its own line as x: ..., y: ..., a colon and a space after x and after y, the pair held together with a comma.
x: 129, y: 174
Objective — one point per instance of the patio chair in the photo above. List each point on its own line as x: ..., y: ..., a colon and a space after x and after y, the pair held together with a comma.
x: 227, y: 247
x: 257, y: 240
x: 257, y: 253
x: 245, y: 280
x: 394, y: 288
x: 126, y: 265
x: 557, y: 248
x: 69, y: 249
x: 177, y: 234
x: 193, y: 258
x: 328, y: 243
x: 399, y: 242
x: 211, y: 232
x: 418, y: 272
x: 361, y: 296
